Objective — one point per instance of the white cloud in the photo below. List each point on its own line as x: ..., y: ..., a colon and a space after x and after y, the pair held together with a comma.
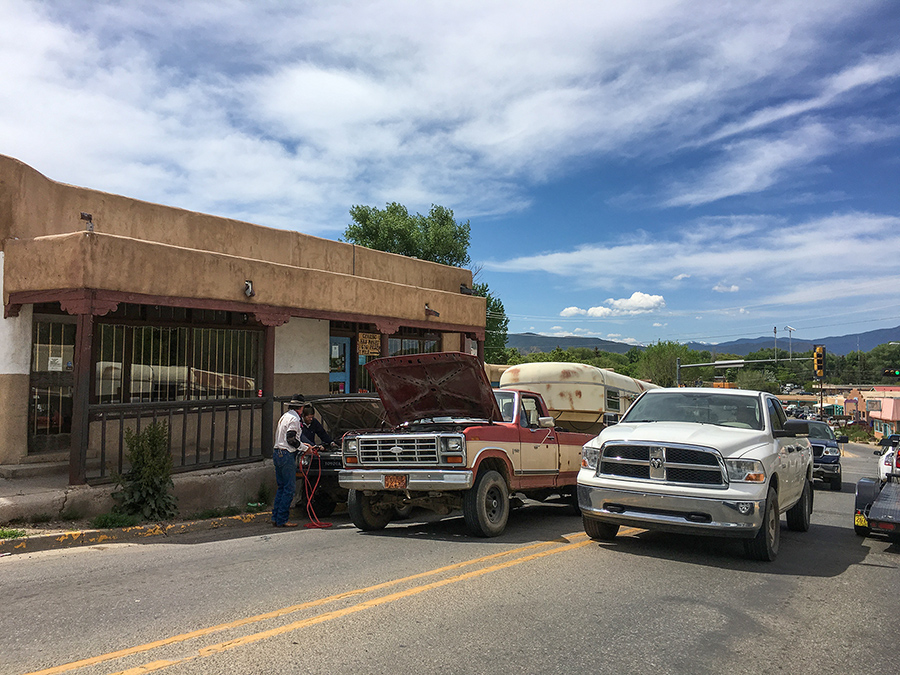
x: 572, y: 311
x: 681, y: 277
x: 638, y: 303
x: 725, y: 288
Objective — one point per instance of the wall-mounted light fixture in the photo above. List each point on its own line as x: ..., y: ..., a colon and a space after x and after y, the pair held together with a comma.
x: 465, y: 290
x: 431, y: 312
x: 248, y: 289
x: 89, y: 227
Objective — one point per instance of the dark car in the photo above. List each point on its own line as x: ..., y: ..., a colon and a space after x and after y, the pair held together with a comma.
x: 317, y: 473
x: 826, y: 449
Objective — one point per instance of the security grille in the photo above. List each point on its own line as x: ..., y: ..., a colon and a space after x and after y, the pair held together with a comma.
x: 407, y: 449
x: 681, y: 465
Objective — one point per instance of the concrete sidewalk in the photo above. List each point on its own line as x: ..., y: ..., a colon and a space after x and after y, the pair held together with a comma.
x: 28, y: 502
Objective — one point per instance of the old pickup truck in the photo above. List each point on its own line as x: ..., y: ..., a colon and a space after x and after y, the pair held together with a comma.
x: 703, y: 461
x: 455, y: 444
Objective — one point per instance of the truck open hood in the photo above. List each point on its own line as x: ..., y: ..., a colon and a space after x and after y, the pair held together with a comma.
x: 442, y: 384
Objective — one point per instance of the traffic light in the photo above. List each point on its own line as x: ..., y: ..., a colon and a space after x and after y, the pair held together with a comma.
x: 819, y: 360
x: 892, y: 372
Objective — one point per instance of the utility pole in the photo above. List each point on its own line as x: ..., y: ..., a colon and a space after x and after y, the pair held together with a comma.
x: 790, y: 331
x: 775, y: 330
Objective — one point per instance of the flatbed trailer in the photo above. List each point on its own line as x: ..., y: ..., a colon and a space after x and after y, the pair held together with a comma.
x: 877, y: 507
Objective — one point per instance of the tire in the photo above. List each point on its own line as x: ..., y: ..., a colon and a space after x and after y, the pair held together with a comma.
x: 798, y: 514
x: 764, y: 546
x: 486, y: 505
x: 322, y: 503
x: 599, y: 530
x: 403, y: 512
x: 836, y: 484
x: 365, y: 513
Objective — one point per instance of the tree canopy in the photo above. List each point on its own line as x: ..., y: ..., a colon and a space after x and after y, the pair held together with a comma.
x: 436, y: 237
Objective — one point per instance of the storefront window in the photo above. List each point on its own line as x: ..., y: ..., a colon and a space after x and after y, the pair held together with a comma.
x: 153, y: 363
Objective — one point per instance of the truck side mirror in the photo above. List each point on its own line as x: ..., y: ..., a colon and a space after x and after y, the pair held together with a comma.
x: 546, y: 422
x: 843, y: 439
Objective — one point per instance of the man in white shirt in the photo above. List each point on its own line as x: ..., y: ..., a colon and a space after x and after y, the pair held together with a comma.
x: 284, y: 456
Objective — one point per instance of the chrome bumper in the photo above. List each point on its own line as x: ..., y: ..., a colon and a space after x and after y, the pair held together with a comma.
x: 416, y: 480
x: 673, y: 513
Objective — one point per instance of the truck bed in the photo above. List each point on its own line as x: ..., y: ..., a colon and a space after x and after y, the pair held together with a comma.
x: 884, y: 516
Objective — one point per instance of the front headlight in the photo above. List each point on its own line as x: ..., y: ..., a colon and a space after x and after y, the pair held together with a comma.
x: 745, y: 471
x: 832, y: 452
x: 590, y: 457
x: 350, y: 446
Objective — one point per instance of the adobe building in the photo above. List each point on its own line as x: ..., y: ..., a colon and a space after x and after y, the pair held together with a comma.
x: 119, y: 313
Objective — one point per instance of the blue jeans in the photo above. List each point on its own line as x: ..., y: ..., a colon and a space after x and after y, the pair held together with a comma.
x: 286, y: 479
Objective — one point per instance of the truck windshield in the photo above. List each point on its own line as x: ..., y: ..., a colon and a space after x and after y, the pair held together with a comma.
x: 728, y: 411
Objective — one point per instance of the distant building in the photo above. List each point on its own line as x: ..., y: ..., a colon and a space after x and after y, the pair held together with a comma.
x: 119, y: 312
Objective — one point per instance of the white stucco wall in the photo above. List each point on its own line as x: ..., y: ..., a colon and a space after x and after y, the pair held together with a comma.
x: 15, y: 338
x: 301, y: 346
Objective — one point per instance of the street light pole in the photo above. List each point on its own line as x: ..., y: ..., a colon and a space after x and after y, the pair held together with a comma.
x: 790, y: 331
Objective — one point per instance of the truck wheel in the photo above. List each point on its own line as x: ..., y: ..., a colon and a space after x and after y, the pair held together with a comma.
x: 599, y: 530
x: 798, y: 514
x: 836, y: 484
x: 322, y: 503
x: 486, y: 505
x: 764, y: 546
x: 365, y: 514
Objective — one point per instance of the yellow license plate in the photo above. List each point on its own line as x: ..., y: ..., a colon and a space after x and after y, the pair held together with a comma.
x: 395, y: 482
x: 860, y: 520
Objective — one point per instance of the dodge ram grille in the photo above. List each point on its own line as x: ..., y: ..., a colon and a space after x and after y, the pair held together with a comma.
x: 680, y: 465
x: 407, y: 449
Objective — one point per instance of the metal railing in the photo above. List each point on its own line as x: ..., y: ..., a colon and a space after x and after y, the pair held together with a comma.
x: 202, y: 433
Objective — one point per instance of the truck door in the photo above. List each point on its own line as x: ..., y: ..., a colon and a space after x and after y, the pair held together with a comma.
x: 540, y: 450
x: 789, y: 455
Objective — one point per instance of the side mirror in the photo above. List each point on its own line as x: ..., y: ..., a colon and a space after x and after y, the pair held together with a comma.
x: 843, y: 439
x: 546, y: 422
x: 879, y: 453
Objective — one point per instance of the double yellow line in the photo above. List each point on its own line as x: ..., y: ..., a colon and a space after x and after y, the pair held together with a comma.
x: 539, y: 550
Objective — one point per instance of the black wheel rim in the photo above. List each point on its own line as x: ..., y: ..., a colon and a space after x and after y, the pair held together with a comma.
x: 492, y: 504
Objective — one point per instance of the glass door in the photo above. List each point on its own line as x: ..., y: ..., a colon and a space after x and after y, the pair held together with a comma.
x: 339, y: 365
x: 52, y: 384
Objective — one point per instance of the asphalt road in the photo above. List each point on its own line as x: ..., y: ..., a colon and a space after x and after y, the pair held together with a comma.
x: 423, y: 597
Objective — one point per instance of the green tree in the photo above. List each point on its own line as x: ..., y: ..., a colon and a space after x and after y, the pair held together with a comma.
x: 436, y: 237
x: 658, y: 362
x: 496, y: 325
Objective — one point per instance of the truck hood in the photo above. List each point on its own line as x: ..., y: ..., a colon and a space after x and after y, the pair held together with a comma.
x: 426, y: 386
x: 729, y: 441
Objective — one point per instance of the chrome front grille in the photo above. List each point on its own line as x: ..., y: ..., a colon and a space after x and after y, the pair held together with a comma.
x: 659, y: 462
x: 817, y: 449
x: 405, y: 449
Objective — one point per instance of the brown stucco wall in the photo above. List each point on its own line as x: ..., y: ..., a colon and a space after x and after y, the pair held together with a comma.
x: 288, y: 384
x: 107, y: 262
x: 33, y: 206
x: 13, y: 418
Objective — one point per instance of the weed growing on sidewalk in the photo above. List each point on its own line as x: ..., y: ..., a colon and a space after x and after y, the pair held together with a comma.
x: 147, y: 486
x: 6, y: 533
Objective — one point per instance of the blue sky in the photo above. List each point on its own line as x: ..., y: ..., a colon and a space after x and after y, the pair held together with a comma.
x: 641, y: 171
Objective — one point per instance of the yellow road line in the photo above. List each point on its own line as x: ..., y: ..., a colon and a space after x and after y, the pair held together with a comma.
x: 328, y: 616
x: 175, y: 639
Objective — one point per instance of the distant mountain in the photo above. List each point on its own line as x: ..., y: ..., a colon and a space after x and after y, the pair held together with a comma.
x: 528, y: 343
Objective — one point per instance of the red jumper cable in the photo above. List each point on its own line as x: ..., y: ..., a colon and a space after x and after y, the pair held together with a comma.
x: 313, y: 455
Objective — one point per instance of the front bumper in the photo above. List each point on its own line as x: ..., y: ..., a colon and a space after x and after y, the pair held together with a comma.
x: 417, y: 480
x: 826, y: 470
x: 673, y: 513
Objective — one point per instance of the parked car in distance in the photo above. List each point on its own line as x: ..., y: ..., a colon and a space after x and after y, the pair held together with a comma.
x: 887, y: 457
x: 826, y: 450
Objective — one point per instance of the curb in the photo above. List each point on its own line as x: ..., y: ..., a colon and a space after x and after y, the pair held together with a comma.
x: 60, y: 540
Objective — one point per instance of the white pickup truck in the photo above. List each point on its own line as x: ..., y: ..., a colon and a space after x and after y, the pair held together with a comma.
x: 705, y: 461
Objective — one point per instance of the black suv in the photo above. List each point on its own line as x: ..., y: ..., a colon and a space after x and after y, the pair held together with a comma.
x: 826, y: 449
x: 339, y: 413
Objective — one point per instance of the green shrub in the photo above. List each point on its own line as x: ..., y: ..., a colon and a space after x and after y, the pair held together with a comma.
x: 146, y: 487
x: 6, y: 533
x: 107, y: 521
